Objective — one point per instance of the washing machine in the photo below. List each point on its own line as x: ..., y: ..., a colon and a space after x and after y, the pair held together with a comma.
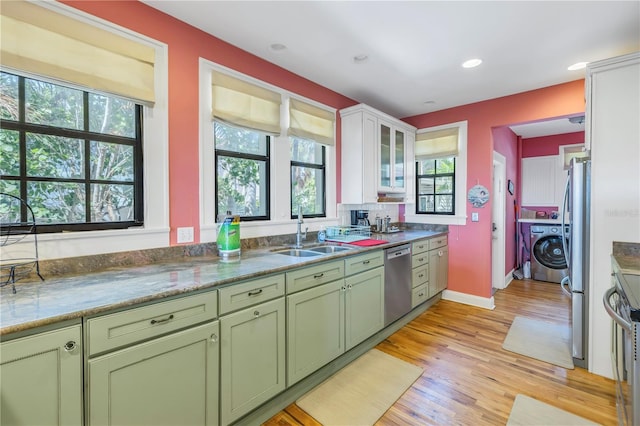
x: 548, y: 262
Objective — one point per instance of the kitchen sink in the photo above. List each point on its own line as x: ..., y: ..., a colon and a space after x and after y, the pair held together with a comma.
x: 315, y: 250
x: 298, y: 252
x: 330, y: 249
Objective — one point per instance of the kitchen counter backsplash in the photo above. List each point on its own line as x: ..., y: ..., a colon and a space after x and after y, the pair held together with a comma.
x: 103, y: 262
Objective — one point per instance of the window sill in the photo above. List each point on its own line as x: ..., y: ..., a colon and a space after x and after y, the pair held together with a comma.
x: 73, y: 244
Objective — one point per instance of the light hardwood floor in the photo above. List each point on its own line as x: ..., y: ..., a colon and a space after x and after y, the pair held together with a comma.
x: 469, y: 379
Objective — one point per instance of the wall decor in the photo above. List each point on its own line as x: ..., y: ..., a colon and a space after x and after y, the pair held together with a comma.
x: 510, y: 187
x: 478, y: 196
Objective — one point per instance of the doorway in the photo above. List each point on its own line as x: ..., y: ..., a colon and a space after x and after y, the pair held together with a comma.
x: 498, y: 219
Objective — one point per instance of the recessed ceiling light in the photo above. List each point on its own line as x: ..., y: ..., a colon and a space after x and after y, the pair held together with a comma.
x: 429, y: 102
x: 277, y: 47
x: 358, y: 59
x: 577, y: 66
x: 472, y: 63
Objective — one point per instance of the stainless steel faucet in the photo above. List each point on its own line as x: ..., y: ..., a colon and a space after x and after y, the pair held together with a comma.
x: 299, y: 234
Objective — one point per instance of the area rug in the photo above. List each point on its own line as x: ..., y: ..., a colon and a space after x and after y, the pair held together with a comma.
x: 542, y: 340
x: 529, y: 411
x: 360, y: 393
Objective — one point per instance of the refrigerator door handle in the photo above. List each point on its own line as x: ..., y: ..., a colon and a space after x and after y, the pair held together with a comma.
x: 565, y: 285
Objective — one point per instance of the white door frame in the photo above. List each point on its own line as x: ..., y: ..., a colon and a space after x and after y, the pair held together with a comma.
x: 498, y: 219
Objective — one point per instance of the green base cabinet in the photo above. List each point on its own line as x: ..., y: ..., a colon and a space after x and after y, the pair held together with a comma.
x: 315, y: 328
x: 170, y: 380
x: 438, y: 270
x: 364, y: 306
x: 252, y: 355
x: 41, y: 378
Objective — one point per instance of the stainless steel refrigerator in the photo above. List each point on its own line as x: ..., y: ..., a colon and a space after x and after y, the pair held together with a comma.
x: 576, y: 213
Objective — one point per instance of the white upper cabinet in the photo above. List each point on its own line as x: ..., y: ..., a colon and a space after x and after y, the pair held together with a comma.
x: 375, y: 155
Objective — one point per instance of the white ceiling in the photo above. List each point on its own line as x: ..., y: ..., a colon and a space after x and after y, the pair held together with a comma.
x: 415, y: 48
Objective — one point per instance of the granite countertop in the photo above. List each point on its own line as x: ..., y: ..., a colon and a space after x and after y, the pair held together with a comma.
x: 72, y: 297
x: 627, y: 256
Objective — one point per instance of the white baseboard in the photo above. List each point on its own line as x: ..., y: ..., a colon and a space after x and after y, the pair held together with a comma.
x: 469, y: 299
x: 508, y: 278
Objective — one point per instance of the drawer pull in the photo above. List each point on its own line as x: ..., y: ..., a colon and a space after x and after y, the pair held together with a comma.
x: 256, y: 314
x: 420, y: 275
x: 421, y: 259
x: 255, y: 293
x: 214, y: 338
x: 160, y: 321
x: 318, y: 275
x: 420, y: 294
x: 366, y: 262
x: 70, y: 346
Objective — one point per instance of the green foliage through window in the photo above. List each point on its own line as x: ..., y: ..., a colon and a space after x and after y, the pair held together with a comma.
x: 74, y: 156
x: 242, y: 172
x: 435, y: 186
x: 307, y: 178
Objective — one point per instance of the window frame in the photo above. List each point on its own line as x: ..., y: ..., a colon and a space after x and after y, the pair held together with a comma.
x: 435, y: 176
x: 255, y: 157
x: 156, y: 230
x: 86, y: 137
x: 315, y: 166
x: 280, y: 222
x: 460, y: 205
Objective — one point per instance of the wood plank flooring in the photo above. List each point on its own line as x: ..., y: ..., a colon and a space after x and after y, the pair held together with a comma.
x: 469, y: 379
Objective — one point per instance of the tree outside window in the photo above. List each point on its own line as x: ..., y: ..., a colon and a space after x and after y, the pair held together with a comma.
x: 74, y: 156
x: 307, y: 178
x: 435, y: 191
x: 242, y: 172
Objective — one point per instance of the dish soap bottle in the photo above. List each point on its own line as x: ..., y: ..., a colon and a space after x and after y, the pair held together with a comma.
x: 229, y: 236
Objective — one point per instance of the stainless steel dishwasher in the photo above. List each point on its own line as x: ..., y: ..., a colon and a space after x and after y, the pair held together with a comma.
x: 397, y: 282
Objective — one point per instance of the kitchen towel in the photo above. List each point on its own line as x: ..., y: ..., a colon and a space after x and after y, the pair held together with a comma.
x: 361, y: 392
x: 529, y: 411
x: 367, y: 243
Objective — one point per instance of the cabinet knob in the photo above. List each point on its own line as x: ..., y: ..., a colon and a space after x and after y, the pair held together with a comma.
x: 214, y: 338
x: 440, y: 253
x: 350, y: 286
x: 70, y: 346
x: 256, y: 314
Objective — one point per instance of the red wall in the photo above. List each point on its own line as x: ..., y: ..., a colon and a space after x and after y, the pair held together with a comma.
x: 470, y: 245
x: 185, y: 45
x: 549, y: 145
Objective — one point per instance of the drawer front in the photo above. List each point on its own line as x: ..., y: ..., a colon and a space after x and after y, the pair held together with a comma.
x: 420, y: 246
x: 420, y: 276
x: 312, y: 276
x: 238, y: 296
x: 419, y: 295
x: 113, y: 331
x: 419, y: 259
x: 437, y: 242
x: 363, y: 262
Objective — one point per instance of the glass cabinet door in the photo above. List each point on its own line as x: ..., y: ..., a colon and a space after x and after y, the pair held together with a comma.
x: 385, y: 156
x: 399, y: 160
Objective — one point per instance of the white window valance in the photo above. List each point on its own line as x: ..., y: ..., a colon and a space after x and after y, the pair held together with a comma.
x: 243, y: 104
x: 436, y: 144
x: 311, y: 122
x: 40, y: 41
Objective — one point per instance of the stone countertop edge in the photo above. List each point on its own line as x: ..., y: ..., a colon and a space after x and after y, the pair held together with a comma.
x: 55, y: 300
x: 627, y: 257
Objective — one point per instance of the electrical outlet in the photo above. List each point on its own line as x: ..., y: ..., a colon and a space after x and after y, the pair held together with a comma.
x: 185, y: 235
x: 474, y: 217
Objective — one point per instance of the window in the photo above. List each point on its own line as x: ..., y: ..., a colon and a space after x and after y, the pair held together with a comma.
x: 242, y: 172
x: 307, y: 178
x: 435, y: 192
x: 74, y: 156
